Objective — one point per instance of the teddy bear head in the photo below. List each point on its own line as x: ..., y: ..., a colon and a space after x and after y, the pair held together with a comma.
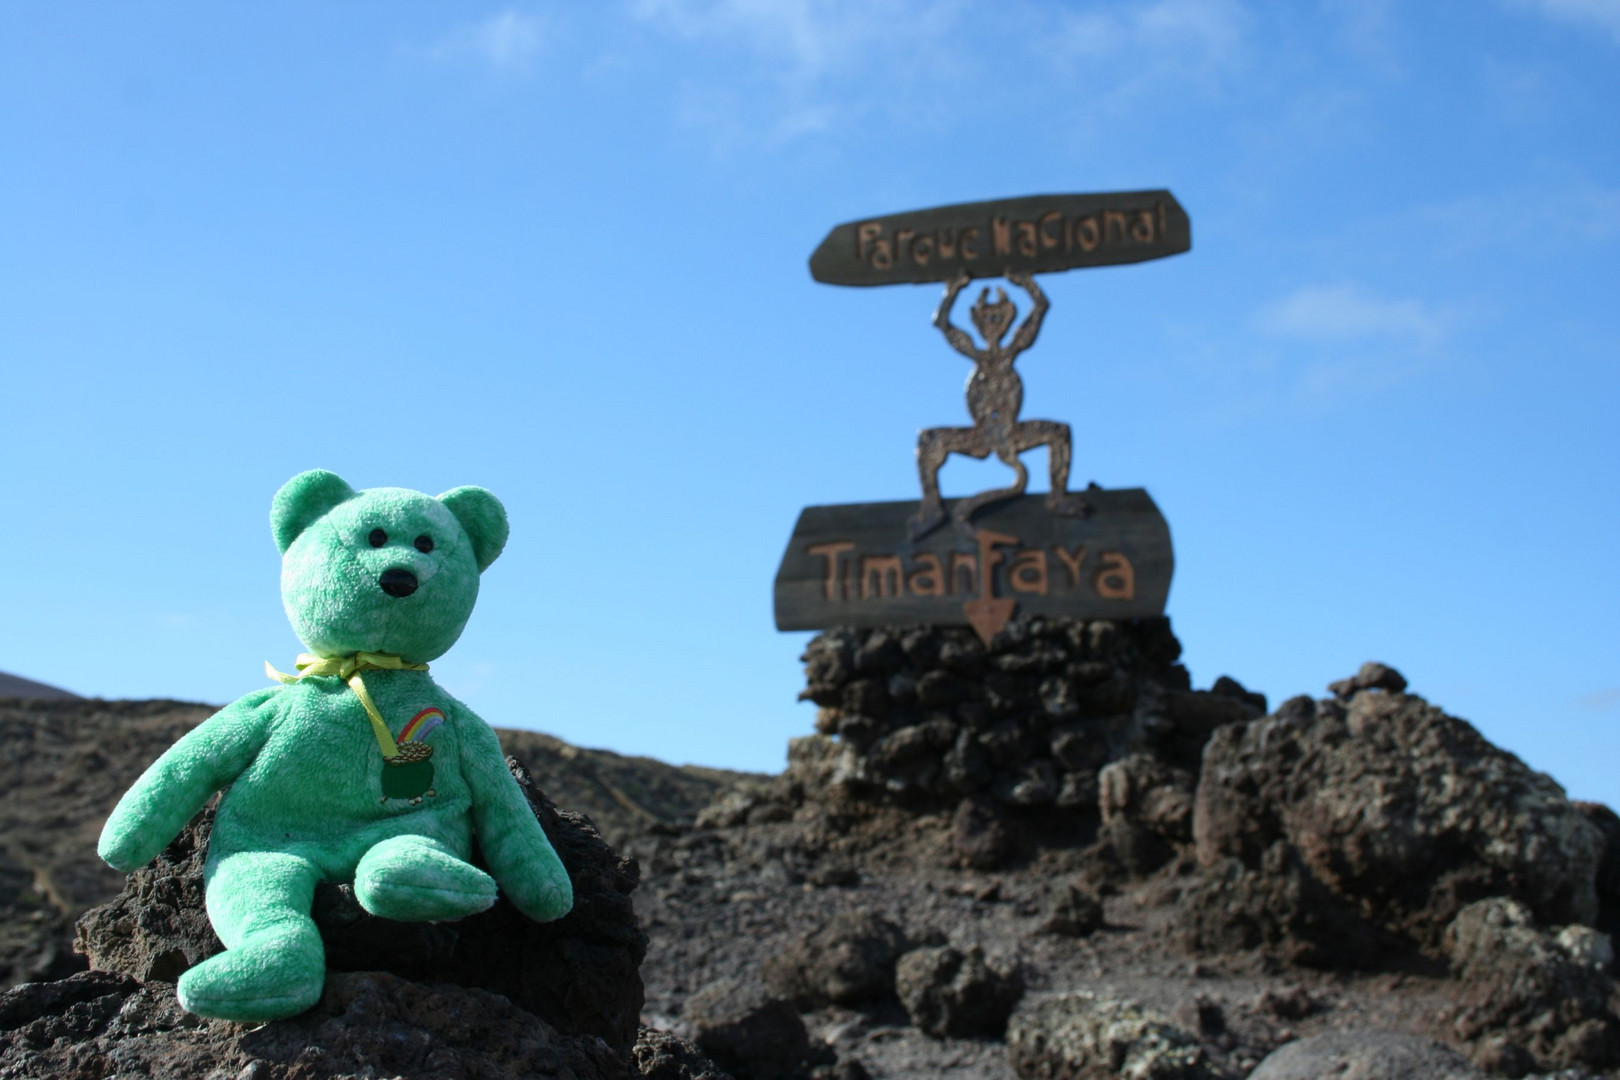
x: 385, y: 570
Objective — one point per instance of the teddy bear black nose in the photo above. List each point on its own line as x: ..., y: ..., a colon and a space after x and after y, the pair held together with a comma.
x: 397, y: 582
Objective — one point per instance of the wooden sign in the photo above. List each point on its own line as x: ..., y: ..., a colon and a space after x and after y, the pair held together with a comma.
x: 1035, y: 234
x: 853, y: 566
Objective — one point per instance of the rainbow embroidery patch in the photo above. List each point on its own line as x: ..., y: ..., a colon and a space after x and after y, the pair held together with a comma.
x: 420, y: 724
x: 409, y: 774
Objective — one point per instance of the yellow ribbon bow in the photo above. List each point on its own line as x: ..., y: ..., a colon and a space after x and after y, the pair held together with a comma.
x: 348, y: 668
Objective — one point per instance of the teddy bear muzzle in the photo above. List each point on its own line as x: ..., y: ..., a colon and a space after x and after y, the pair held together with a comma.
x: 397, y: 582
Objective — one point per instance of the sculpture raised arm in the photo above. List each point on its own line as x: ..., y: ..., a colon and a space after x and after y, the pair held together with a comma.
x: 959, y: 339
x: 1025, y: 337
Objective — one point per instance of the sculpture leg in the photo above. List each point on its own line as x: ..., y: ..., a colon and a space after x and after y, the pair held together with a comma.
x: 274, y: 964
x: 418, y: 879
x: 968, y: 507
x: 934, y: 445
x: 1055, y: 436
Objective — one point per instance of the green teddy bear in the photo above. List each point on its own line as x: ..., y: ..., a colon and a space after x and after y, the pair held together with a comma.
x: 358, y: 769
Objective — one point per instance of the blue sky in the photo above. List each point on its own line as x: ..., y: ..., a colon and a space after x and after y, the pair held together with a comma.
x: 559, y: 251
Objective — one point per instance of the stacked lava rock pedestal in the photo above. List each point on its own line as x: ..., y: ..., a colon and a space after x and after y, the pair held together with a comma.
x: 1050, y: 724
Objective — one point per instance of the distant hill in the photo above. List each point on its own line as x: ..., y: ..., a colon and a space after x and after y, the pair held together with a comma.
x: 13, y: 686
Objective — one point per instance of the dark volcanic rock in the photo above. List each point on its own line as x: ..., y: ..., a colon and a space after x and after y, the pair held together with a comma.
x: 1372, y: 676
x: 1074, y: 912
x: 580, y: 973
x: 66, y: 761
x: 1608, y: 873
x: 981, y: 833
x: 847, y: 961
x: 1365, y: 1055
x: 157, y: 927
x: 1280, y: 908
x: 34, y: 932
x: 923, y: 716
x: 367, y: 1024
x: 951, y: 993
x: 1147, y: 809
x: 1520, y: 983
x: 1404, y: 812
x: 747, y: 1030
x: 1082, y: 1036
x: 659, y: 1055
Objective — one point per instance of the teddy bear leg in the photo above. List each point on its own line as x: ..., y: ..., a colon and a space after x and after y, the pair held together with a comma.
x: 274, y: 964
x: 418, y: 879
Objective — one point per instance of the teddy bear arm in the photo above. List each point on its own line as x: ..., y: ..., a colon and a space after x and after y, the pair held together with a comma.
x: 175, y: 786
x: 520, y: 858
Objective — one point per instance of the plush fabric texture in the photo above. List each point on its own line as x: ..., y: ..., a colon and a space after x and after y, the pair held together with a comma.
x: 307, y: 797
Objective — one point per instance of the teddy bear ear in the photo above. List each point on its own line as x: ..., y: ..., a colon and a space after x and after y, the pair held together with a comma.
x: 302, y: 501
x: 484, y: 519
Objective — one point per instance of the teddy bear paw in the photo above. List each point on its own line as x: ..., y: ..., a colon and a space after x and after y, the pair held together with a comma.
x: 265, y: 978
x: 416, y: 879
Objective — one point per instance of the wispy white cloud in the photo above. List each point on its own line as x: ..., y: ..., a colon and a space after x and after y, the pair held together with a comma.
x: 1600, y: 700
x: 1344, y: 342
x: 1367, y: 29
x: 819, y: 63
x: 508, y: 40
x: 1599, y: 15
x: 813, y: 63
x: 804, y: 40
x: 1546, y: 219
x: 1136, y: 45
x: 1342, y: 313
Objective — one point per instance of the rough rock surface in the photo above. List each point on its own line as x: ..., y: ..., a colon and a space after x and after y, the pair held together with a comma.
x: 847, y: 961
x: 580, y: 972
x: 1218, y: 948
x: 1400, y: 810
x: 367, y: 1024
x: 1607, y: 823
x: 1147, y: 810
x: 1365, y: 1055
x: 926, y: 715
x: 1277, y: 907
x: 1547, y: 993
x: 1371, y: 676
x: 662, y: 1055
x: 1082, y: 1036
x: 947, y: 992
x: 157, y: 927
x: 1074, y: 912
x: 747, y: 1030
x: 66, y: 762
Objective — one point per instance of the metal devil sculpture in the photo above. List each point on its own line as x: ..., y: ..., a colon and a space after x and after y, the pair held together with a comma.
x: 1100, y: 554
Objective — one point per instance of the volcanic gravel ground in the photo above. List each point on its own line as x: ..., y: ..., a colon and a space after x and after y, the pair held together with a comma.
x: 717, y: 903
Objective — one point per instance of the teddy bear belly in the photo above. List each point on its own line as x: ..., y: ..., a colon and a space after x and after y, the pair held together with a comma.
x: 335, y: 845
x: 317, y: 792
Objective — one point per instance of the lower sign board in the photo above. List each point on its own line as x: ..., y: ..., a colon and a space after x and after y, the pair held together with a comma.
x: 853, y: 565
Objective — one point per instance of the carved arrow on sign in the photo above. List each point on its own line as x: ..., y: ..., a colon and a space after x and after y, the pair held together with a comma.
x: 986, y: 614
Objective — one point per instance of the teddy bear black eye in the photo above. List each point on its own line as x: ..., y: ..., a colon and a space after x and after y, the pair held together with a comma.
x: 424, y: 544
x: 378, y: 538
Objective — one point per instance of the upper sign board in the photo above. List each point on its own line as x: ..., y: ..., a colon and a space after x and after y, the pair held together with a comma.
x: 1036, y: 234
